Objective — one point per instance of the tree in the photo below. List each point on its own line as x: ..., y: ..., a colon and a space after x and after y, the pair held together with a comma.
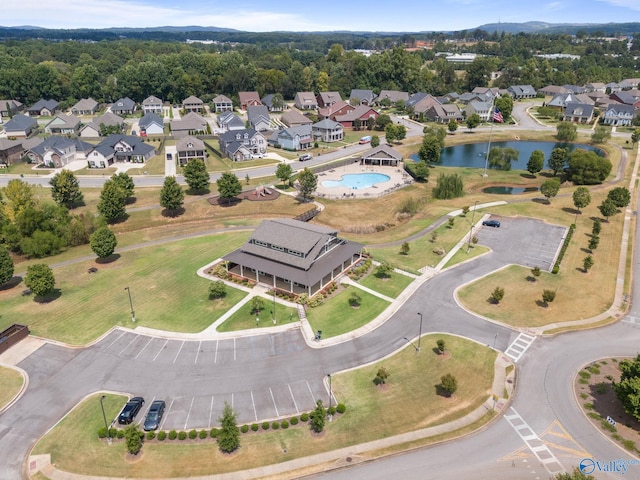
x: 228, y: 186
x: 308, y: 182
x: 594, y: 241
x: 112, y: 202
x: 421, y: 171
x: 628, y: 389
x: 587, y: 263
x: 550, y: 188
x: 229, y: 434
x: 40, y: 279
x: 448, y: 384
x: 390, y: 133
x: 448, y: 187
x: 620, y: 196
x: 375, y: 141
x: 557, y: 160
x: 125, y: 182
x: 497, y: 295
x: 196, y: 175
x: 452, y: 126
x: 355, y: 300
x: 103, y: 242
x: 284, y: 172
x: 217, y: 290
x: 548, y: 296
x: 133, y: 438
x: 473, y: 121
x: 576, y: 474
x: 430, y: 150
x: 381, y: 376
x: 404, y: 248
x: 384, y: 270
x: 41, y: 244
x: 597, y: 227
x: 500, y: 158
x: 601, y: 134
x: 401, y: 133
x: 317, y: 418
x: 535, y: 271
x: 19, y: 196
x: 607, y: 208
x: 566, y: 132
x: 504, y: 103
x: 435, y: 131
x: 536, y: 162
x: 441, y: 345
x: 172, y: 195
x: 382, y: 121
x: 257, y: 305
x: 581, y: 198
x: 65, y: 189
x: 588, y: 168
x: 6, y: 266
x: 635, y: 136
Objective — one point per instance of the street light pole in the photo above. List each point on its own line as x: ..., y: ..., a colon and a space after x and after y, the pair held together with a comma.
x: 133, y: 314
x: 473, y: 216
x: 419, y: 332
x: 330, y: 397
x: 104, y: 416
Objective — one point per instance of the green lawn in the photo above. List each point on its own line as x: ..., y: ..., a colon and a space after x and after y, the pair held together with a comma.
x: 462, y: 255
x: 408, y: 402
x: 244, y: 319
x: 167, y: 293
x: 336, y: 316
x: 11, y: 382
x: 390, y: 287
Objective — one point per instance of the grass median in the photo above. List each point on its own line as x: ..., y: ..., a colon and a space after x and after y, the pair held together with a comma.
x: 11, y: 382
x: 391, y: 286
x: 245, y: 319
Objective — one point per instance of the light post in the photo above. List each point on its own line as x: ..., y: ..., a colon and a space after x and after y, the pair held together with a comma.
x: 473, y: 216
x: 104, y: 416
x: 274, y: 305
x: 133, y: 314
x: 419, y: 332
x: 330, y: 395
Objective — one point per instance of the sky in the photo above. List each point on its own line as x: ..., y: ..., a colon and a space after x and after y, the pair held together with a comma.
x: 297, y: 15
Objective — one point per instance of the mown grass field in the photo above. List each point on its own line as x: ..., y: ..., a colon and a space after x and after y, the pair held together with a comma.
x: 11, y: 382
x: 390, y: 287
x: 244, y: 318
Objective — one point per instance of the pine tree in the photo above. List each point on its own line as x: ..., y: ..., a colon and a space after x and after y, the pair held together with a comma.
x: 317, y: 418
x: 229, y: 434
x: 196, y: 175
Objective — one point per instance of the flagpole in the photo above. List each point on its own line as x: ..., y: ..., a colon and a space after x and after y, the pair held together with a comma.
x: 486, y: 158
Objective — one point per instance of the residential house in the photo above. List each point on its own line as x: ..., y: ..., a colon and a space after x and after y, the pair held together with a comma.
x: 86, y: 106
x: 11, y: 152
x: 108, y: 119
x: 595, y: 87
x: 222, y: 103
x: 391, y: 97
x: 577, y: 89
x: 274, y: 106
x: 293, y: 118
x: 258, y: 117
x: 230, y: 121
x: 247, y: 99
x: 293, y: 256
x: 362, y: 97
x: 469, y: 97
x: 20, y: 126
x: 613, y: 87
x: 489, y: 92
x: 57, y: 151
x: 193, y: 104
x: 240, y: 145
x: 151, y: 124
x: 63, y: 124
x: 444, y: 113
x: 326, y: 99
x: 328, y: 131
x: 44, y: 108
x: 562, y: 100
x: 120, y: 148
x: 362, y: 113
x: 420, y: 102
x: 578, y: 113
x: 305, y: 101
x: 553, y: 90
x: 522, y: 91
x: 618, y: 115
x: 123, y: 106
x: 152, y: 104
x: 629, y: 83
x: 597, y: 95
x: 9, y: 108
x: 482, y: 109
x: 294, y: 138
x: 189, y: 148
x: 623, y: 97
x: 382, y: 155
x: 190, y: 124
x: 339, y: 108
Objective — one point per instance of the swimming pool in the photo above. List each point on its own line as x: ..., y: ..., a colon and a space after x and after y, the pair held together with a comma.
x: 356, y: 181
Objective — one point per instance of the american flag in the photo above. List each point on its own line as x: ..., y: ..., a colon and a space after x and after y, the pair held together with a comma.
x: 497, y: 116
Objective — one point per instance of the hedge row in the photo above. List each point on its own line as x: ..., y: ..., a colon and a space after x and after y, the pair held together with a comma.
x: 565, y: 245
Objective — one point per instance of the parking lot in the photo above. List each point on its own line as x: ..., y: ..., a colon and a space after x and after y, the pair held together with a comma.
x: 201, y: 407
x: 524, y: 241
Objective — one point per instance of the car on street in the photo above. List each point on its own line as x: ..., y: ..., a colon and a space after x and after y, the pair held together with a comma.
x: 304, y: 157
x: 154, y: 415
x: 130, y: 410
x: 491, y: 223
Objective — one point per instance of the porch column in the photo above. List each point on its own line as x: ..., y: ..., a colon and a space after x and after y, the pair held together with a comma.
x: 241, y: 270
x: 291, y: 286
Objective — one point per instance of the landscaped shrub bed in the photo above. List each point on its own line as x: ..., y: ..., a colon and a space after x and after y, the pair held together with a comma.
x: 565, y: 245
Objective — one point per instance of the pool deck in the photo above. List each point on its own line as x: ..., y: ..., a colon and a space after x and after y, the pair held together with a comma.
x: 398, y: 178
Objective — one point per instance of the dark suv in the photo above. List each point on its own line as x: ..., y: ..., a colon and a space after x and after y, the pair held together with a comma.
x: 130, y: 410
x: 154, y: 415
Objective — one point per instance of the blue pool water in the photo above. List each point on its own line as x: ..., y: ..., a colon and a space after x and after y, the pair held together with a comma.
x: 357, y: 180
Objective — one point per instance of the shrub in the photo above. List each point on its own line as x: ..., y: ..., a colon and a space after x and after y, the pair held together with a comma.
x: 594, y: 369
x: 565, y: 245
x: 113, y: 432
x: 203, y: 434
x: 331, y: 410
x: 588, y: 406
x: 607, y: 426
x: 304, y: 417
x: 162, y: 435
x: 584, y: 374
x: 254, y: 427
x: 275, y: 425
x: 182, y: 435
x: 102, y: 432
x: 284, y: 424
x: 213, y: 433
x: 497, y: 295
x: 244, y: 428
x: 294, y: 420
x: 173, y: 435
x: 119, y: 434
x: 151, y: 435
x: 381, y: 377
x: 341, y: 408
x: 193, y: 434
x: 265, y: 425
x: 601, y: 388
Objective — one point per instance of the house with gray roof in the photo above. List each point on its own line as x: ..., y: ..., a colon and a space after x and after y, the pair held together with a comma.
x: 444, y: 113
x: 222, y: 103
x: 328, y: 131
x: 190, y: 148
x: 623, y: 97
x: 228, y: 121
x: 258, y: 117
x: 595, y: 87
x: 294, y: 138
x: 382, y: 155
x: 240, y: 145
x: 63, y: 124
x: 152, y: 104
x: 108, y: 119
x: 613, y: 87
x: 10, y: 107
x: 522, y: 91
x: 120, y: 148
x: 618, y: 114
x: 326, y: 99
x: 44, y: 108
x: 86, y: 106
x: 482, y: 109
x: 293, y: 256
x: 362, y: 97
x: 274, y: 102
x: 151, y: 124
x: 392, y: 97
x: 294, y: 118
x: 193, y: 104
x: 553, y: 90
x: 11, y: 152
x: 20, y: 126
x: 190, y: 124
x: 629, y: 83
x: 123, y: 106
x: 578, y: 113
x: 305, y: 101
x: 57, y: 151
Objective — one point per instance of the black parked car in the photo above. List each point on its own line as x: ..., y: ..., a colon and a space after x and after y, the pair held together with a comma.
x: 491, y: 223
x: 130, y: 410
x: 154, y: 415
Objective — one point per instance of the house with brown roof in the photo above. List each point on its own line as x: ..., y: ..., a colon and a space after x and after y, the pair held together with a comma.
x: 189, y: 148
x: 305, y: 101
x: 382, y: 155
x: 108, y: 119
x: 553, y: 90
x: 326, y: 99
x: 11, y: 152
x: 391, y: 97
x: 361, y: 112
x: 152, y: 104
x: 63, y: 124
x: 86, y: 106
x: 249, y: 99
x: 193, y: 104
x: 190, y: 124
x: 293, y: 118
x: 222, y: 103
x: 293, y: 256
x: 339, y: 108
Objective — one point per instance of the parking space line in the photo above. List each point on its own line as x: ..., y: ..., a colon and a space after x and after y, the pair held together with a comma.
x: 310, y: 391
x: 161, y: 348
x: 198, y: 351
x: 255, y: 412
x: 164, y: 419
x: 111, y: 344
x: 274, y: 402
x: 293, y: 398
x: 189, y: 413
x: 179, y: 350
x: 232, y: 400
x: 132, y: 340
x: 145, y: 346
x: 211, y: 410
x: 215, y: 358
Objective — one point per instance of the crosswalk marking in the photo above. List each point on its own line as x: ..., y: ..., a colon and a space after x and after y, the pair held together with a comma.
x: 519, y: 346
x: 632, y: 321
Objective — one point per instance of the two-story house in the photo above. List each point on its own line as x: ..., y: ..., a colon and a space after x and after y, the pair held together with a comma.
x: 240, y: 145
x: 328, y: 131
x: 189, y: 148
x: 152, y: 104
x: 294, y: 138
x: 305, y: 101
x: 618, y: 114
x: 222, y: 103
x: 193, y: 104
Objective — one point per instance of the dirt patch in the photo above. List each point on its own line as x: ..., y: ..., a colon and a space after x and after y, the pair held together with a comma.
x: 595, y: 394
x: 265, y: 195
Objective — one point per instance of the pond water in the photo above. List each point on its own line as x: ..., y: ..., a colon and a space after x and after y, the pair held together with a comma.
x: 474, y: 155
x: 357, y: 180
x: 504, y: 190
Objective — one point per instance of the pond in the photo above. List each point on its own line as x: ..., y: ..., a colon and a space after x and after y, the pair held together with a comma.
x: 474, y: 155
x: 504, y: 190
